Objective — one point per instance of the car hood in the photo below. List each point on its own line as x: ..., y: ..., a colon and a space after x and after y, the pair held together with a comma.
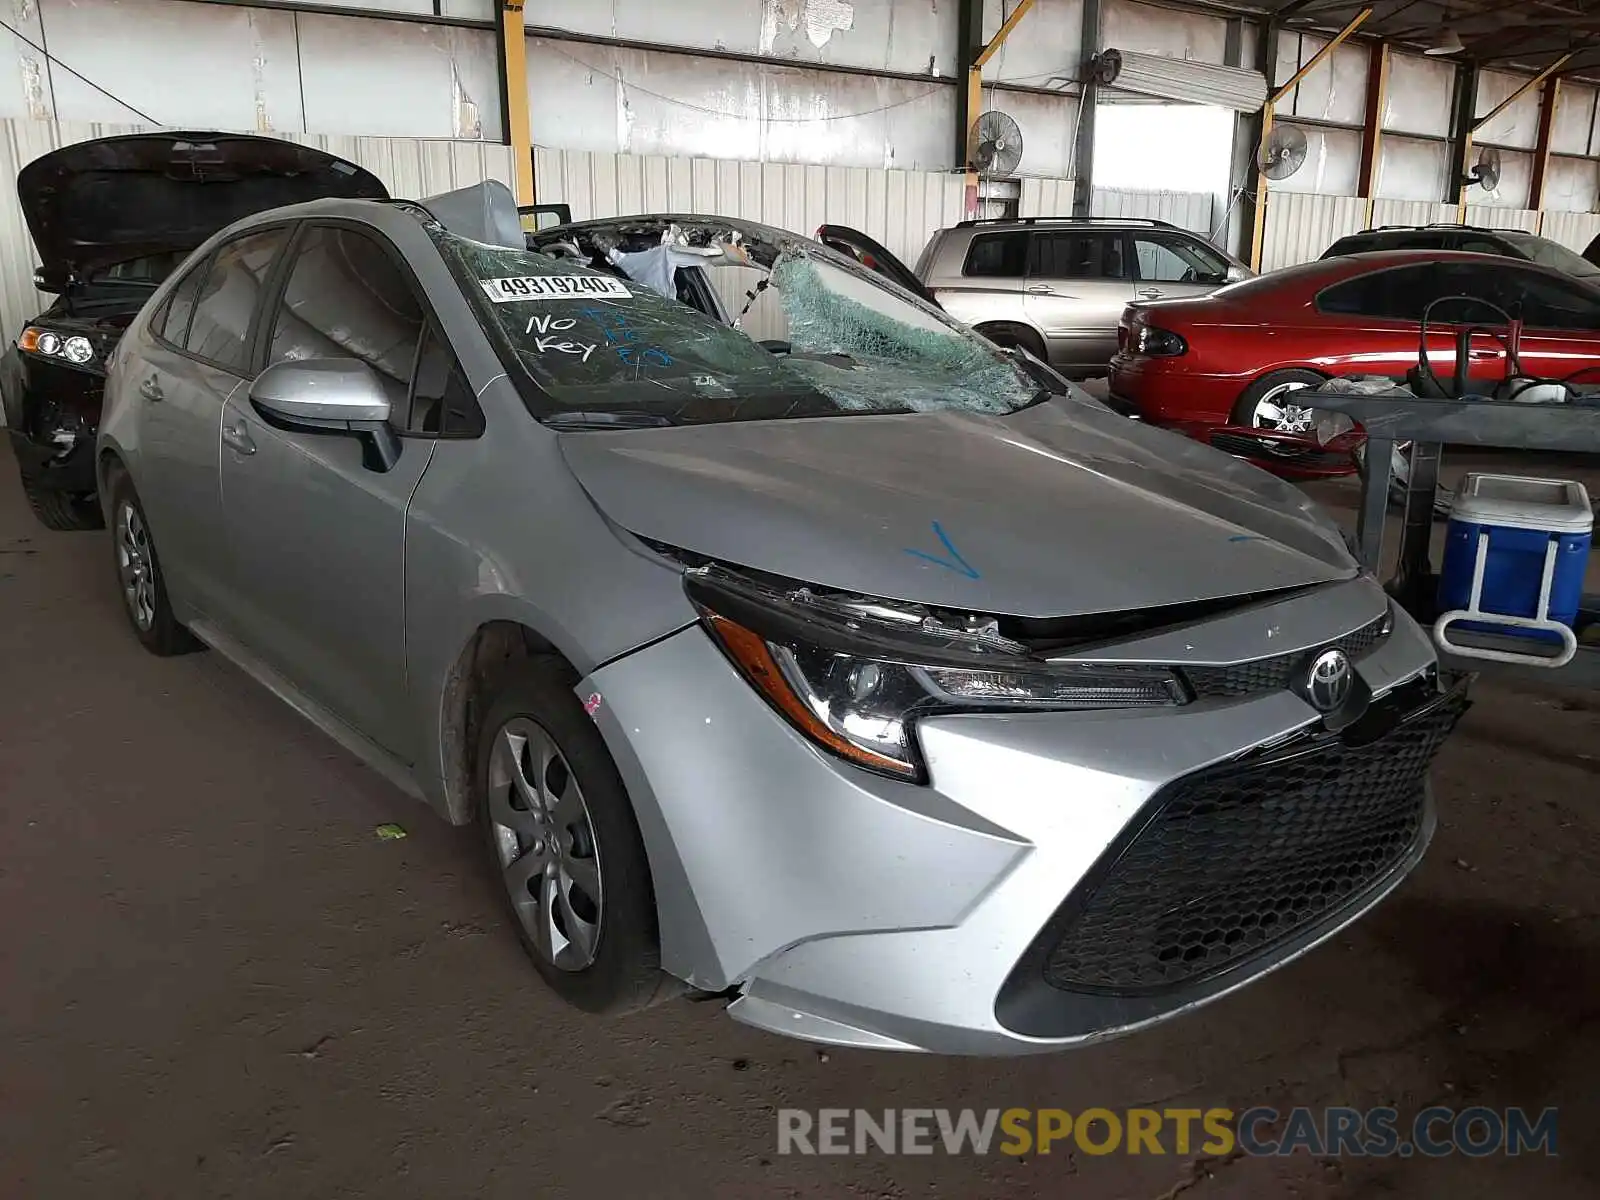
x: 95, y: 203
x: 1064, y: 508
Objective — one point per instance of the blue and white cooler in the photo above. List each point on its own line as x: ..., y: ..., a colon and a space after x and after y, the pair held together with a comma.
x: 1514, y: 563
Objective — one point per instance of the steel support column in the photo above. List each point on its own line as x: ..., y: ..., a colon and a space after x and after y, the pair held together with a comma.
x: 1372, y: 123
x: 971, y: 54
x: 1083, y: 139
x: 1541, y: 147
x: 512, y: 41
x: 1463, y: 104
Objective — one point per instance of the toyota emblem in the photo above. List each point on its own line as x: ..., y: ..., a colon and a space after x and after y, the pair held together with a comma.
x: 1329, y: 681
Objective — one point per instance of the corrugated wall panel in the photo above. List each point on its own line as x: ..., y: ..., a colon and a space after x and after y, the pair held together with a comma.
x: 1300, y: 226
x: 1412, y: 212
x: 1190, y: 210
x: 1045, y: 198
x: 1493, y: 217
x: 1573, y: 230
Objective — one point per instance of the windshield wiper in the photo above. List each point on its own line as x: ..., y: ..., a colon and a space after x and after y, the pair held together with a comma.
x: 621, y: 418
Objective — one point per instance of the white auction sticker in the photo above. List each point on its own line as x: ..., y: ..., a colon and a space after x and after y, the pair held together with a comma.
x: 554, y: 287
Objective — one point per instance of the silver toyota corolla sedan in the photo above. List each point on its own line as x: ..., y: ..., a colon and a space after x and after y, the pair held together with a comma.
x: 785, y: 640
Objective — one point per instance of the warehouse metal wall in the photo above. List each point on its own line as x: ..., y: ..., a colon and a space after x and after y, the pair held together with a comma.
x: 1301, y: 226
x: 409, y: 167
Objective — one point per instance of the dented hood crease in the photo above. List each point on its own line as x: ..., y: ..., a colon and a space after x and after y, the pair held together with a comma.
x: 1061, y: 509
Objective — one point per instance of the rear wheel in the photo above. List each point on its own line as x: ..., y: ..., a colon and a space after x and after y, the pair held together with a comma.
x: 139, y: 578
x: 63, y: 511
x: 1269, y: 404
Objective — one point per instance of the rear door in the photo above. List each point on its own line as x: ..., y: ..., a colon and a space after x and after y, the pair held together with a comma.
x: 196, y: 357
x: 1168, y: 265
x: 871, y: 254
x: 317, y: 537
x: 1078, y: 283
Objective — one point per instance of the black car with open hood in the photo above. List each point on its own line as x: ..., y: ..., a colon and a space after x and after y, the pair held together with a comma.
x: 111, y: 219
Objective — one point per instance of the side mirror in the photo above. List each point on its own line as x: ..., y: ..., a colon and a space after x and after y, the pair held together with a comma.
x: 329, y: 395
x: 1237, y: 273
x: 52, y: 279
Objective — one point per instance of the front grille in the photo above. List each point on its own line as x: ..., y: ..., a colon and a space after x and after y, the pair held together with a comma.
x: 1239, y: 858
x: 1276, y: 674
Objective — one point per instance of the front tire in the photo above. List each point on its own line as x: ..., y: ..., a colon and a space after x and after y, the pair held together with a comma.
x: 64, y: 512
x: 564, y: 846
x: 139, y: 578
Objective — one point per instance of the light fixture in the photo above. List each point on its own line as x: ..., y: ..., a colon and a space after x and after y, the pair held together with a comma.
x: 1448, y: 42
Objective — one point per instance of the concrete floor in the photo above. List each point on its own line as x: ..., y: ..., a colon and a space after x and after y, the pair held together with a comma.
x: 216, y: 981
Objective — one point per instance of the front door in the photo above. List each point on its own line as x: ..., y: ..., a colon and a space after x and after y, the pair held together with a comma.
x: 317, y: 579
x: 1169, y: 265
x: 1079, y: 281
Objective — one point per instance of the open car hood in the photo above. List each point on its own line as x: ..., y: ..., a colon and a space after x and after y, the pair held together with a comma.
x: 95, y: 203
x: 1061, y: 509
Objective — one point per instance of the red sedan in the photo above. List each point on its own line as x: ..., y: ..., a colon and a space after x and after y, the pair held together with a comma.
x: 1221, y: 366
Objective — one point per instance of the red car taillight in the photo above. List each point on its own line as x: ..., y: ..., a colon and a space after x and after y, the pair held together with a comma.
x: 1159, y: 343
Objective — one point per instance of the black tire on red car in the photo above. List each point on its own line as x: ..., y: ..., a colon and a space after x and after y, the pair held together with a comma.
x: 1268, y: 388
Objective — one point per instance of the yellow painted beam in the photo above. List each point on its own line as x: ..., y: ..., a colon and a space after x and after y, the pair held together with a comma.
x: 519, y: 130
x: 1356, y: 22
x: 1258, y: 228
x: 1269, y: 110
x: 999, y: 39
x: 1522, y: 91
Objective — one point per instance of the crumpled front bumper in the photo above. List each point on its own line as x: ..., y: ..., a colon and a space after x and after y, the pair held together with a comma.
x: 856, y: 910
x: 60, y: 456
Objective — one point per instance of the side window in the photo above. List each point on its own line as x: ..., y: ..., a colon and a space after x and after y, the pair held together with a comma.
x: 1545, y: 302
x: 228, y: 299
x: 1079, y: 256
x: 346, y: 297
x: 442, y: 402
x: 1351, y: 245
x: 172, y: 322
x: 1402, y: 293
x: 997, y: 256
x: 1166, y: 259
x: 1483, y: 245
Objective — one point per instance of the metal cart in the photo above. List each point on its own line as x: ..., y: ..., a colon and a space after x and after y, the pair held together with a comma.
x: 1428, y: 425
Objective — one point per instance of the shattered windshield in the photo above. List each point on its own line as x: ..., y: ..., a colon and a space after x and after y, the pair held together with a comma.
x: 610, y: 334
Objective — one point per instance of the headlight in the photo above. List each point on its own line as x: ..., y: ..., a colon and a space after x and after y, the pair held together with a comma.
x: 1160, y: 343
x: 74, y: 348
x: 855, y: 676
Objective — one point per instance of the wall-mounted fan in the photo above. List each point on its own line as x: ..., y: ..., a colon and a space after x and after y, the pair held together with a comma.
x: 1283, y: 153
x: 997, y: 144
x: 1486, y: 171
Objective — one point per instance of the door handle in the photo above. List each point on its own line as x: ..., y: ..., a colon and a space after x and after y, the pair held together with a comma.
x: 150, y: 389
x: 1480, y: 354
x: 1152, y: 293
x: 237, y: 438
x: 1041, y: 289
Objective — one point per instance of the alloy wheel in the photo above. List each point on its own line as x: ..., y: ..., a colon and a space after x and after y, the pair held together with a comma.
x: 136, y: 566
x: 1275, y: 412
x: 549, y: 860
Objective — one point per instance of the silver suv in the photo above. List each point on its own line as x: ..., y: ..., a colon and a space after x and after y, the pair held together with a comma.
x: 1057, y: 285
